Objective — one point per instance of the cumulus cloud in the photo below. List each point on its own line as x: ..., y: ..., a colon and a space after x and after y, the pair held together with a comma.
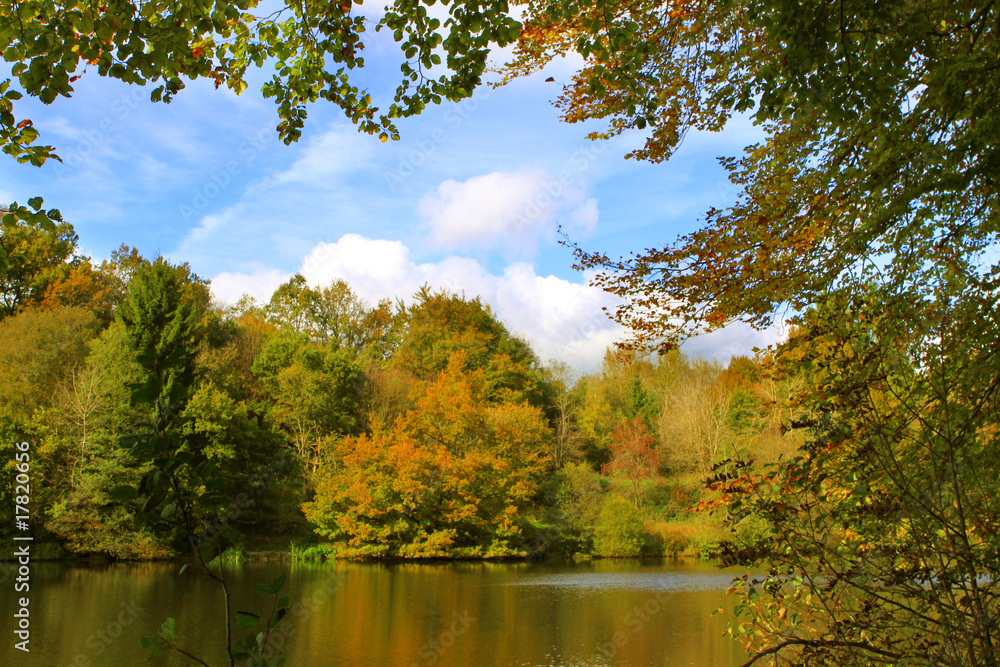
x: 510, y: 209
x: 561, y: 319
x: 260, y: 284
x: 734, y: 340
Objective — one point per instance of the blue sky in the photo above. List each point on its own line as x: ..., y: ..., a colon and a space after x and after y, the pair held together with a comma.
x: 469, y: 199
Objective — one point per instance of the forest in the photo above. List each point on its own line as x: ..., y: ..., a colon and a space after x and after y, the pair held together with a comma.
x: 340, y: 428
x: 855, y: 466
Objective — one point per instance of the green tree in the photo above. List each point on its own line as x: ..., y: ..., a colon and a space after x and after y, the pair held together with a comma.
x: 439, y: 324
x: 162, y: 314
x: 334, y: 314
x: 35, y: 257
x: 317, y: 399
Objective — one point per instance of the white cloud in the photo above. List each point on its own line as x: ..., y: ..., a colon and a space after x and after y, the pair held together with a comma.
x: 229, y: 287
x: 734, y: 340
x: 510, y: 209
x: 334, y: 154
x: 562, y: 320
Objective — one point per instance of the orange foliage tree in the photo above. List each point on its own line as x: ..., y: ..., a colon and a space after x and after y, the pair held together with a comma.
x: 455, y: 476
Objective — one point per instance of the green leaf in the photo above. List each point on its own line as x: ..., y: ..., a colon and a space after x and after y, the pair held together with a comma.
x: 148, y: 641
x: 168, y: 629
x: 124, y: 493
x: 273, y: 587
x: 245, y: 619
x: 168, y: 511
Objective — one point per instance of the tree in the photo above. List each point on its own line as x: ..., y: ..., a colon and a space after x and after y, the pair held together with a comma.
x: 38, y: 349
x: 316, y: 399
x: 884, y: 527
x: 334, y: 314
x: 439, y: 324
x: 163, y: 317
x: 633, y: 456
x: 453, y: 477
x: 877, y: 142
x: 566, y: 439
x: 36, y: 257
x: 871, y: 199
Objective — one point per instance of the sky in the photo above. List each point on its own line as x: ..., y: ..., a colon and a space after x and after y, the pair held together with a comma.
x: 469, y: 200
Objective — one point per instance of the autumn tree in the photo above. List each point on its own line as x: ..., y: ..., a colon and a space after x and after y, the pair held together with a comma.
x: 38, y: 349
x: 36, y: 259
x: 884, y: 526
x: 609, y: 397
x: 633, y: 456
x: 439, y: 324
x: 871, y: 199
x: 876, y: 121
x: 454, y: 476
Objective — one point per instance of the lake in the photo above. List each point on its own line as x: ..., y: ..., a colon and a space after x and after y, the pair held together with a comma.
x: 606, y: 612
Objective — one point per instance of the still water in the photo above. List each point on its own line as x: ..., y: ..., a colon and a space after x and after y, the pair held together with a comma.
x: 603, y: 613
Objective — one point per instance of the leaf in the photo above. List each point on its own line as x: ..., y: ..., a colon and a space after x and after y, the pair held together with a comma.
x: 168, y: 629
x: 273, y: 587
x: 244, y: 619
x: 125, y: 493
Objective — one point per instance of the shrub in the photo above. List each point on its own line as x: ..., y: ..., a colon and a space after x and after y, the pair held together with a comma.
x: 619, y: 531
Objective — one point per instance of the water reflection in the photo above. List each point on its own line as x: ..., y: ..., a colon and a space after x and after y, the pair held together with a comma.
x: 411, y: 615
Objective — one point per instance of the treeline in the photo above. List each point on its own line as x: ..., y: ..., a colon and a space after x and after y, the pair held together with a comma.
x: 349, y: 428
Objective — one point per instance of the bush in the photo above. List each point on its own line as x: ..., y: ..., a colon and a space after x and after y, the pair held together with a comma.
x: 619, y: 531
x: 306, y: 551
x: 233, y: 556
